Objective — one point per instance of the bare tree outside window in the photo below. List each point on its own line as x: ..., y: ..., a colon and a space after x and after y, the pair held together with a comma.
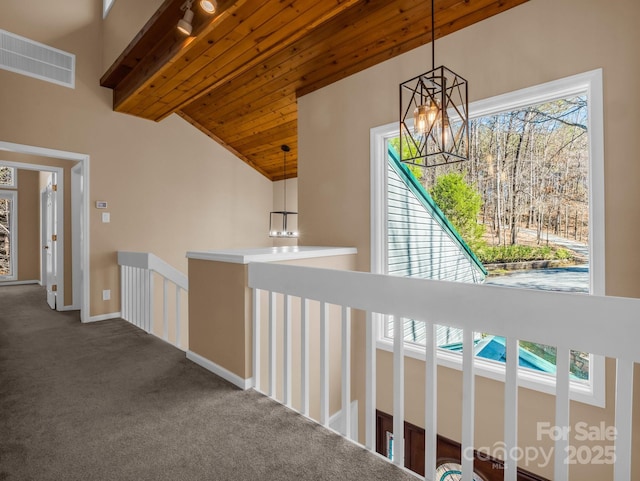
x: 5, y: 236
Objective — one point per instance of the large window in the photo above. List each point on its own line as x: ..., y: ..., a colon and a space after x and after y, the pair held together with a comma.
x: 537, y: 164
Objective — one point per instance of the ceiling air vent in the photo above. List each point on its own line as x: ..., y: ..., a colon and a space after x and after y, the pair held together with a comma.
x: 24, y: 56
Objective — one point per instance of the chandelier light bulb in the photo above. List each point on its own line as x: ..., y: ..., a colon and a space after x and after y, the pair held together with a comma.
x: 420, y: 120
x: 425, y: 118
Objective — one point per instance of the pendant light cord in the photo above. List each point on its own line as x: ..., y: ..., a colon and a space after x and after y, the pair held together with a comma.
x: 284, y: 179
x: 433, y: 35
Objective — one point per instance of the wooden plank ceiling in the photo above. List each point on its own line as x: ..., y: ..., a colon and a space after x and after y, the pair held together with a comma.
x: 238, y: 76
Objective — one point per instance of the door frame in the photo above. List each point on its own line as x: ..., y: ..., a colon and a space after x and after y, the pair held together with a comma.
x: 58, y: 228
x: 43, y: 240
x: 77, y: 238
x: 84, y: 170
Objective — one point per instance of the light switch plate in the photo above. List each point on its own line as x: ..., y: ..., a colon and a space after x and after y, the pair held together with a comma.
x: 106, y: 294
x: 106, y: 217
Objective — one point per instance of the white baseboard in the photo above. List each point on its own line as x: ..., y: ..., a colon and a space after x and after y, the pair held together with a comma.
x: 220, y: 371
x: 68, y: 308
x: 104, y: 317
x: 18, y: 283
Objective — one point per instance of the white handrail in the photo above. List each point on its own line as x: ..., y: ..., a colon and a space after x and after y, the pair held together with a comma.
x: 149, y: 261
x: 605, y: 326
x: 137, y: 292
x: 471, y: 306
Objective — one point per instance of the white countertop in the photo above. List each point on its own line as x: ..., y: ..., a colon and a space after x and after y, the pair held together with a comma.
x: 270, y: 254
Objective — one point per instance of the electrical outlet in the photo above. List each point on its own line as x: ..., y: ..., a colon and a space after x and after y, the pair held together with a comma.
x: 106, y: 294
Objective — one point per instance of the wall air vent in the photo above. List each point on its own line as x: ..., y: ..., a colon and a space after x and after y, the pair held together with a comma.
x: 24, y: 56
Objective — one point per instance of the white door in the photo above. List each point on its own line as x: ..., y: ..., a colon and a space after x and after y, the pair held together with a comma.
x: 49, y: 229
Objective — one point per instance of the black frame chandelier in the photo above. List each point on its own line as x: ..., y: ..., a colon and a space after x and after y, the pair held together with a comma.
x: 280, y: 221
x: 434, y: 115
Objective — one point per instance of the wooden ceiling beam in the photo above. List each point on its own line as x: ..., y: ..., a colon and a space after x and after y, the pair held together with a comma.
x: 170, y: 47
x: 146, y: 39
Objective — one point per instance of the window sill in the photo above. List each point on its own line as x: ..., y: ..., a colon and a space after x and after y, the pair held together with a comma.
x: 592, y: 393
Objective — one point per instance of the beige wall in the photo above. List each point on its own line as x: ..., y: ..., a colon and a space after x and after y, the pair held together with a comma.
x: 170, y: 188
x: 537, y: 42
x: 28, y: 225
x: 220, y: 314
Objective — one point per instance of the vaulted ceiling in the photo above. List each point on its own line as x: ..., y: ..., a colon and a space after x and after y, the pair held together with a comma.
x: 238, y: 76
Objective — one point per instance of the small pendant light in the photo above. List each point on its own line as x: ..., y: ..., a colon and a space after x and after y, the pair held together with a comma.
x: 283, y: 223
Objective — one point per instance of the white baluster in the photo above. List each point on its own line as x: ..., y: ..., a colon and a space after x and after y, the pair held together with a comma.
x: 150, y: 299
x: 511, y: 409
x: 272, y: 344
x: 304, y: 354
x: 324, y: 364
x: 561, y: 467
x: 136, y: 297
x: 468, y: 404
x: 431, y: 401
x: 286, y: 364
x: 256, y: 339
x: 624, y: 411
x: 346, y: 371
x: 165, y: 309
x: 122, y: 291
x: 370, y: 379
x: 398, y: 391
x: 178, y: 317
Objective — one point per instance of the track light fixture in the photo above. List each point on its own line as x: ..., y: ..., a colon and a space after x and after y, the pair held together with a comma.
x: 184, y: 24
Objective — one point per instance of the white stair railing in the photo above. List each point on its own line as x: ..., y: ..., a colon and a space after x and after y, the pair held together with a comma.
x: 605, y: 326
x: 138, y: 297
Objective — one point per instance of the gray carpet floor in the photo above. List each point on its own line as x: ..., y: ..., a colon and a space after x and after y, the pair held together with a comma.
x: 105, y: 401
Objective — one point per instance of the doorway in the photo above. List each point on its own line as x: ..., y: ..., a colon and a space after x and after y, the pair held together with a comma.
x: 80, y: 228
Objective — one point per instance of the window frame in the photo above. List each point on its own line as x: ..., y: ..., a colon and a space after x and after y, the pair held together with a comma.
x: 12, y: 195
x: 589, y: 84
